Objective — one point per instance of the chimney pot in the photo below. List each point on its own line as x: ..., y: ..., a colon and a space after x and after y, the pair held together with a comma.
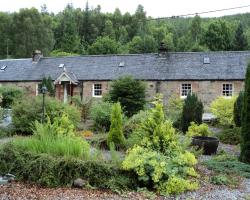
x: 36, y: 55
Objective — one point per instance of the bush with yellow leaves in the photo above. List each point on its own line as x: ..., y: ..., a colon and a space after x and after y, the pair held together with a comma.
x: 159, y: 160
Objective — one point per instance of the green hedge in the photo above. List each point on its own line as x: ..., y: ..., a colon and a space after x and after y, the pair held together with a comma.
x: 49, y: 171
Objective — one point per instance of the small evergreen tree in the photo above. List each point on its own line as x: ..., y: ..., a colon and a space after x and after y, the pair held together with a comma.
x: 115, y: 134
x: 49, y: 85
x: 130, y: 93
x: 238, y: 109
x: 192, y: 111
x: 245, y: 130
x: 240, y: 40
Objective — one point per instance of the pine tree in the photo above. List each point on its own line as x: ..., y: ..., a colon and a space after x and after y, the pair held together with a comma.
x: 240, y: 40
x: 238, y: 109
x: 49, y: 85
x: 115, y: 134
x: 245, y: 130
x: 192, y: 111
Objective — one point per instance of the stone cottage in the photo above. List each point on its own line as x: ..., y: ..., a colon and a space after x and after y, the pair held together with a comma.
x: 208, y: 74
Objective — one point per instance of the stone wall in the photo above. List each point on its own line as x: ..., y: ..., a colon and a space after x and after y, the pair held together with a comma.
x: 207, y: 91
x: 29, y: 87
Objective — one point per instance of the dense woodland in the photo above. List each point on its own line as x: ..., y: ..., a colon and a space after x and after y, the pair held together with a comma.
x: 90, y: 31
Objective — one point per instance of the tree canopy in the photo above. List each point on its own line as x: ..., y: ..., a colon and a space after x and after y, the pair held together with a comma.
x: 84, y: 31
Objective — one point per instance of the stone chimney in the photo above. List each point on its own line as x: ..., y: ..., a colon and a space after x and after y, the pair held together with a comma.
x: 36, y: 55
x: 162, y: 50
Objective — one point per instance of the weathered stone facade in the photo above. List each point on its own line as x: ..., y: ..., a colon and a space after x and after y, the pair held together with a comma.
x: 29, y: 87
x: 207, y: 91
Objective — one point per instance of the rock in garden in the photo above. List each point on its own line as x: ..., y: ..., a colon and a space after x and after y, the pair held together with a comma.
x: 79, y: 183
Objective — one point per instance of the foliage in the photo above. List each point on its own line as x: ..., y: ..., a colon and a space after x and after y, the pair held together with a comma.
x: 174, y: 108
x: 100, y: 113
x: 223, y: 108
x: 87, y: 133
x: 230, y: 136
x: 7, y: 131
x: 192, y: 111
x: 222, y: 179
x: 134, y: 122
x: 48, y: 83
x: 218, y: 36
x: 73, y: 31
x: 57, y: 139
x: 50, y: 171
x: 9, y: 94
x: 130, y: 93
x: 228, y: 164
x: 29, y: 22
x: 159, y: 160
x: 29, y: 109
x: 198, y: 130
x: 83, y: 105
x: 115, y: 134
x: 238, y: 109
x: 245, y: 130
x: 240, y: 40
x: 104, y: 45
x: 59, y: 52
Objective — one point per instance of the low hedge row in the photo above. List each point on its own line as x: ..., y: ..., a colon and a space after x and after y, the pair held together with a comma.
x: 49, y: 171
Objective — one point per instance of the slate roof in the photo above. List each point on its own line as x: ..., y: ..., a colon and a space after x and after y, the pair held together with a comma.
x: 173, y: 66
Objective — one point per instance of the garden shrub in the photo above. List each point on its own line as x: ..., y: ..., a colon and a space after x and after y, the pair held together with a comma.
x: 134, y: 122
x: 227, y: 164
x: 83, y: 105
x: 56, y: 139
x: 115, y: 134
x: 100, y: 113
x: 29, y: 109
x: 9, y: 94
x: 130, y: 93
x: 174, y: 108
x: 230, y: 136
x: 245, y: 122
x: 49, y: 171
x: 198, y: 130
x: 192, y: 111
x: 223, y: 108
x: 238, y: 109
x: 159, y: 160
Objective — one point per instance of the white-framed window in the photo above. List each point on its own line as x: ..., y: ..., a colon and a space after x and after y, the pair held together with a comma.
x: 227, y: 89
x: 186, y: 88
x: 97, y: 90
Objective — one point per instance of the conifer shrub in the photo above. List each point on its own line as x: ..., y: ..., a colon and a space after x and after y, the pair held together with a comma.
x: 223, y: 109
x: 159, y: 160
x: 48, y: 83
x: 115, y: 134
x: 130, y: 93
x: 238, y: 109
x: 245, y: 129
x: 192, y: 111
